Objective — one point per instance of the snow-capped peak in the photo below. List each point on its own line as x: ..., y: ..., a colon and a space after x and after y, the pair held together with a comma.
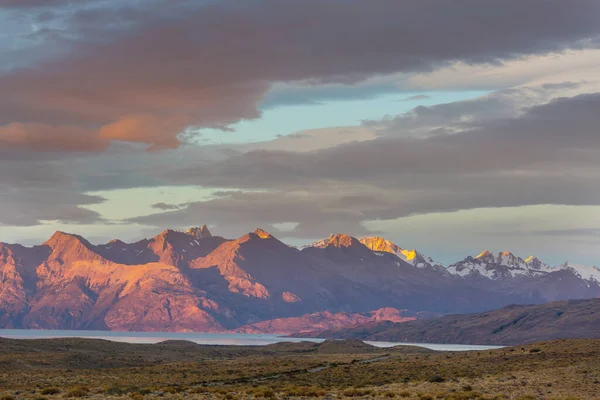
x: 506, y: 265
x: 335, y: 240
x: 503, y: 265
x: 412, y: 257
x: 483, y: 254
x: 586, y: 272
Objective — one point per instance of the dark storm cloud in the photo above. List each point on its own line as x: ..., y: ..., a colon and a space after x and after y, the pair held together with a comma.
x: 144, y: 73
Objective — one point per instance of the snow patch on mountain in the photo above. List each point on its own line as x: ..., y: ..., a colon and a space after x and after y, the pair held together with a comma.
x: 506, y: 265
x: 586, y: 272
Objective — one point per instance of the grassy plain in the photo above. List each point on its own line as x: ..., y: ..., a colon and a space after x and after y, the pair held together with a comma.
x: 94, y: 369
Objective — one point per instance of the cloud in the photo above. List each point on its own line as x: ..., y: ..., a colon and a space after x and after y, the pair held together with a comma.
x: 541, y: 154
x: 415, y: 97
x: 34, y: 189
x: 533, y: 140
x: 239, y: 211
x: 40, y: 138
x: 583, y: 232
x: 165, y: 206
x: 143, y: 74
x: 570, y: 65
x: 32, y: 3
x: 30, y: 206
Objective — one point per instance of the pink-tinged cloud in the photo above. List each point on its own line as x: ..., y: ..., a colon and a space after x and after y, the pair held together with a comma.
x: 159, y: 133
x: 176, y: 64
x: 42, y: 137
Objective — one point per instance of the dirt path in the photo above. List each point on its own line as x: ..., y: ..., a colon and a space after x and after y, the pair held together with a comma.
x: 313, y: 370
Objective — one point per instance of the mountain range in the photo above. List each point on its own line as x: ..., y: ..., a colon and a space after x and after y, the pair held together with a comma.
x: 194, y: 281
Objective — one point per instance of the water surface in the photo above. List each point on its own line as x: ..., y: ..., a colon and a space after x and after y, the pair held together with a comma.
x: 239, y: 339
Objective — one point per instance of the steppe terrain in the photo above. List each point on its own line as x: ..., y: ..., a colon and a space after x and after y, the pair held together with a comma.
x: 95, y: 369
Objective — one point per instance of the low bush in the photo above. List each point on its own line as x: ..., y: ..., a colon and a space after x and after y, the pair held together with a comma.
x: 79, y: 392
x: 305, y: 391
x: 535, y: 350
x: 50, y: 391
x: 357, y: 392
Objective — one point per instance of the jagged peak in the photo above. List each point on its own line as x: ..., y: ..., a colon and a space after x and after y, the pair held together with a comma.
x: 340, y: 240
x: 531, y: 259
x: 485, y: 253
x: 377, y: 243
x: 199, y: 232
x: 61, y: 238
x: 262, y: 234
x: 166, y: 232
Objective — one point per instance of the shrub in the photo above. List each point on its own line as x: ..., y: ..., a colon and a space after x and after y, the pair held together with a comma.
x: 169, y: 389
x: 7, y: 397
x: 305, y: 391
x: 357, y: 392
x: 535, y: 350
x: 79, y: 392
x: 116, y: 390
x: 404, y: 394
x: 200, y: 389
x: 262, y: 391
x: 50, y: 391
x: 436, y: 379
x: 464, y: 396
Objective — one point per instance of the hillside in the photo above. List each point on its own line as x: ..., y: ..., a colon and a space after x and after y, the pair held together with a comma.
x: 511, y: 325
x: 326, y: 320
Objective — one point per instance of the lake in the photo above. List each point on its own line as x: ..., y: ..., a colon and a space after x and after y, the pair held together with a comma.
x: 205, y: 338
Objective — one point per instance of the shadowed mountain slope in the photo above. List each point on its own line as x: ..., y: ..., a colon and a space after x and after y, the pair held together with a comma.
x: 511, y: 325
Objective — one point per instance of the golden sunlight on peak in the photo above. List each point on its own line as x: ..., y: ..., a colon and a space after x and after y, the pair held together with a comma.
x: 409, y: 254
x: 262, y: 234
x: 378, y: 243
x: 483, y: 254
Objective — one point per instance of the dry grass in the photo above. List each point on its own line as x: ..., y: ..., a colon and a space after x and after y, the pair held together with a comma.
x: 564, y: 370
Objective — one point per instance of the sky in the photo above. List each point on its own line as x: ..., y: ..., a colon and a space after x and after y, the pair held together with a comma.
x: 449, y: 127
